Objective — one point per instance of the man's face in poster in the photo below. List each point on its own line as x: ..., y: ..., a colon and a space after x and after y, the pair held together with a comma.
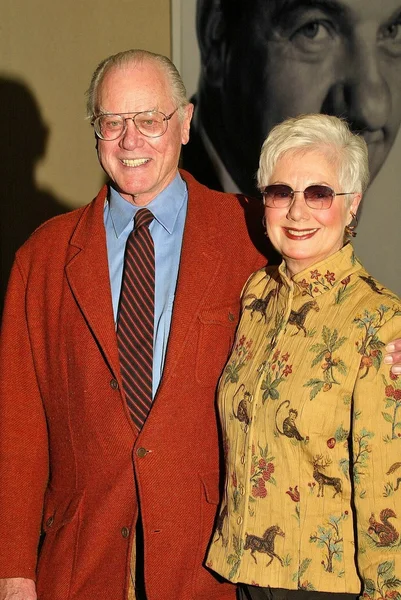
x: 281, y: 58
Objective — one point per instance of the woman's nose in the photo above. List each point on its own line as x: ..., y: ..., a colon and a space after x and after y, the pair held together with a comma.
x: 298, y: 209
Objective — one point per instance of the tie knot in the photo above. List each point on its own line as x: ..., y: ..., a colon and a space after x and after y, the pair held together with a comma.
x: 143, y: 218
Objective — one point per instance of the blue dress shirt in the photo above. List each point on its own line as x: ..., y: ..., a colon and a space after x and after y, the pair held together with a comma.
x: 169, y: 209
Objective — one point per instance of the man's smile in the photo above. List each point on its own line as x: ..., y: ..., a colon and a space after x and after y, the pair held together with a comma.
x: 134, y: 162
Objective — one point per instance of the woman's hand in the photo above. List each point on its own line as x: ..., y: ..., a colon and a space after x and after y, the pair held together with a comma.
x: 393, y: 356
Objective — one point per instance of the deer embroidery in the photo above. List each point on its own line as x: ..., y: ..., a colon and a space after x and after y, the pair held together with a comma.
x: 297, y: 317
x: 264, y: 544
x: 321, y: 479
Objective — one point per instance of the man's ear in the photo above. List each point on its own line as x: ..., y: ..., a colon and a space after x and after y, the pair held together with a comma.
x: 186, y: 123
x: 210, y: 27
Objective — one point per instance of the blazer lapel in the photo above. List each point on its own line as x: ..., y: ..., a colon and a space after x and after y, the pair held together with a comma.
x: 194, y: 283
x: 88, y: 275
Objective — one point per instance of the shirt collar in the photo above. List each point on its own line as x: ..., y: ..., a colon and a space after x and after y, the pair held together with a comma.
x: 334, y: 271
x: 165, y: 207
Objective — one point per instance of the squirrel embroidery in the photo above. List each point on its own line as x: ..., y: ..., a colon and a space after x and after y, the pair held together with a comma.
x: 386, y: 532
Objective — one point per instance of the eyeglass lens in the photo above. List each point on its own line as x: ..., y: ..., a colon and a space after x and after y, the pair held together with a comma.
x: 151, y: 124
x: 281, y: 196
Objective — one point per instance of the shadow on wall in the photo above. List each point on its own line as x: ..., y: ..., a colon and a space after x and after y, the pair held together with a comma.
x: 24, y: 206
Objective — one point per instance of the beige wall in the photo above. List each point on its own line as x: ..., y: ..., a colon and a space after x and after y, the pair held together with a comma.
x: 53, y: 46
x: 48, y: 50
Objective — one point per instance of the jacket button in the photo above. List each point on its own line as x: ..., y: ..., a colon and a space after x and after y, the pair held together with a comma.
x: 141, y: 452
x: 125, y: 532
x: 239, y: 520
x: 231, y: 317
x: 50, y: 521
x: 114, y: 384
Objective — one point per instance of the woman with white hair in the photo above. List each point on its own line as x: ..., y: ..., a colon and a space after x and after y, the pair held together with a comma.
x: 311, y: 415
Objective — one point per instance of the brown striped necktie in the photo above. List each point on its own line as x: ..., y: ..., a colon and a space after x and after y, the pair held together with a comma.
x: 136, y: 318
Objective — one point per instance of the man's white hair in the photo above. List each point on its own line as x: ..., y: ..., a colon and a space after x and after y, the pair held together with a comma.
x: 135, y: 57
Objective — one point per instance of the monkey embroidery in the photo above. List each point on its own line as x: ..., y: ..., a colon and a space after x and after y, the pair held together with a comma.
x: 289, y: 427
x: 371, y: 283
x: 242, y: 410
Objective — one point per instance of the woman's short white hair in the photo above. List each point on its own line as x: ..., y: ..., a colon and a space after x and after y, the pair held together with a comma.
x: 327, y: 134
x: 134, y: 57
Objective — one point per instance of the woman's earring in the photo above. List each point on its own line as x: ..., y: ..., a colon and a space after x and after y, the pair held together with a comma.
x: 350, y: 228
x: 264, y: 225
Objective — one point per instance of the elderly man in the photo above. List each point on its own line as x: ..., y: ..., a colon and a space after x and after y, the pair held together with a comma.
x: 79, y: 453
x: 262, y: 62
x: 118, y: 320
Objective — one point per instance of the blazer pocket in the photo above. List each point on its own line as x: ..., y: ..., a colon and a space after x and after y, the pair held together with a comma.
x: 216, y: 335
x: 61, y: 525
x: 210, y: 483
x: 58, y: 512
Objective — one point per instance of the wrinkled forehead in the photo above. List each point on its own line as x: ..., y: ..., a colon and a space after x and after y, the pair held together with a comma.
x: 140, y: 85
x: 135, y: 73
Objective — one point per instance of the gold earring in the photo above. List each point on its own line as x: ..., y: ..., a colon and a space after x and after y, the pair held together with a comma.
x: 350, y: 228
x: 264, y: 225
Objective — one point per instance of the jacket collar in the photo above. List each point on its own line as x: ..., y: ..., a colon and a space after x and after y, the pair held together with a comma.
x: 88, y: 276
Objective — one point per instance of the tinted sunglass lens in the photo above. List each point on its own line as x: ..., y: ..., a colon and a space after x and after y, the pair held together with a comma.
x: 278, y: 195
x: 319, y: 196
x: 277, y: 191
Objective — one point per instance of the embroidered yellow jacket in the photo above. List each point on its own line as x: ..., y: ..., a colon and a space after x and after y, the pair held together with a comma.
x: 311, y: 422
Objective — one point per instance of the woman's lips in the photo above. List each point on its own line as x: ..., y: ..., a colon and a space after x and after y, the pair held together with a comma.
x: 299, y: 234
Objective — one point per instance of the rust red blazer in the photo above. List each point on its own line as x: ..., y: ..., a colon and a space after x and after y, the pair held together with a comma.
x: 71, y: 461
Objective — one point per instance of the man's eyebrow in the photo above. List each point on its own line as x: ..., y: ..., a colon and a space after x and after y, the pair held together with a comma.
x: 283, y: 7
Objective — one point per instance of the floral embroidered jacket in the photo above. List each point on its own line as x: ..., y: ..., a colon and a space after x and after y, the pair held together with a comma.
x: 311, y: 422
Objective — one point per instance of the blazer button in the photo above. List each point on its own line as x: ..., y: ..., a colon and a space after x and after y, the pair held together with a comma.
x: 50, y: 521
x: 141, y: 452
x: 125, y: 532
x: 114, y: 384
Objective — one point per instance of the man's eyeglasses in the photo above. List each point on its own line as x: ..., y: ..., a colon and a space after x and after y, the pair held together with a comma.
x: 151, y: 123
x: 319, y: 197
